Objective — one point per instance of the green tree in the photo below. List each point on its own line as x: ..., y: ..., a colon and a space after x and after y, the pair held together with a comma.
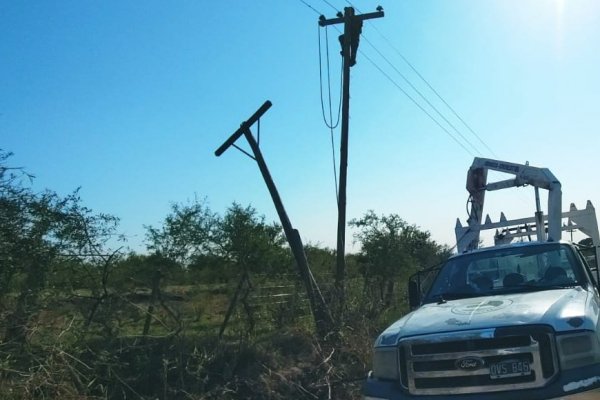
x: 320, y: 259
x: 136, y: 270
x: 186, y: 233
x: 38, y: 233
x: 244, y: 239
x: 391, y: 250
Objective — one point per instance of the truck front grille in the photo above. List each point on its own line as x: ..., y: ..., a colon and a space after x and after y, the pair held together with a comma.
x: 468, y: 362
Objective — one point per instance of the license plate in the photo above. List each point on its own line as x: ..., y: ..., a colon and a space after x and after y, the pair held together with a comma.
x: 509, y: 369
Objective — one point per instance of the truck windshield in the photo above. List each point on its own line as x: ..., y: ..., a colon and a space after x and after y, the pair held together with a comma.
x: 515, y: 269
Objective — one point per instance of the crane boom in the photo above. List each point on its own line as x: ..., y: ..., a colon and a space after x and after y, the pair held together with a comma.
x: 526, y: 174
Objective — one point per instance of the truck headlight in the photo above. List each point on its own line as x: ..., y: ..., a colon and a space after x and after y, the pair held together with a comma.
x: 385, y: 363
x: 578, y: 350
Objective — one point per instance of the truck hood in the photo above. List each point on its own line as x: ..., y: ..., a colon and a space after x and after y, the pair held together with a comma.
x: 563, y: 309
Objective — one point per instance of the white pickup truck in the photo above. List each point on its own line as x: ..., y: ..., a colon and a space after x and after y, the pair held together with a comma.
x: 519, y: 321
x: 513, y: 321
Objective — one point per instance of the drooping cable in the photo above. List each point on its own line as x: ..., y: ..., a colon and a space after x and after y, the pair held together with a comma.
x: 329, y: 123
x: 413, y: 100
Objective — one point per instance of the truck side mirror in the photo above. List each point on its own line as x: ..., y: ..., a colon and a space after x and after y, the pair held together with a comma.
x: 414, y: 297
x: 596, y: 277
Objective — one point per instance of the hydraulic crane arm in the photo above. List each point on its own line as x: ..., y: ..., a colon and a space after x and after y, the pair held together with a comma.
x: 477, y: 185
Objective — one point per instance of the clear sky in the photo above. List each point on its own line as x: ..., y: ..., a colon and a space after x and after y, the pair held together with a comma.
x: 129, y: 100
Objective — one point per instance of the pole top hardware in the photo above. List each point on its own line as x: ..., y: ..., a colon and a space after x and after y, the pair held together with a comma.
x: 245, y: 126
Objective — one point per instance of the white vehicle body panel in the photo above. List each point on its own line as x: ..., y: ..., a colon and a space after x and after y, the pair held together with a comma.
x: 548, y: 307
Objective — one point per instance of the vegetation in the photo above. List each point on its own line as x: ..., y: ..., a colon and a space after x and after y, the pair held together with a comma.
x: 214, y: 309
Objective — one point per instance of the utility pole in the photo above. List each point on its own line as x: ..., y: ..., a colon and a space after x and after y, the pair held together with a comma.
x: 349, y: 42
x: 321, y: 315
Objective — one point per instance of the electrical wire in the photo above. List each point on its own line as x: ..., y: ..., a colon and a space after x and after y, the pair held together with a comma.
x: 413, y: 86
x: 420, y: 94
x: 443, y: 100
x: 311, y: 7
x: 416, y: 90
x: 439, y: 96
x: 352, y: 5
x: 412, y: 67
x: 414, y: 101
x: 331, y: 5
x: 417, y: 104
x: 329, y: 123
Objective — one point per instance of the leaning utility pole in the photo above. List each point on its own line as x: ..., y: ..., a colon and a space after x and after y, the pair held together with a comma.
x: 321, y: 315
x: 349, y: 41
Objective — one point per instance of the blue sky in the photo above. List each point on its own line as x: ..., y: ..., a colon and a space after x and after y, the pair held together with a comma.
x: 129, y: 100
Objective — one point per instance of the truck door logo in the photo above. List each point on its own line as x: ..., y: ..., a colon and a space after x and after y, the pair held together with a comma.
x: 469, y: 363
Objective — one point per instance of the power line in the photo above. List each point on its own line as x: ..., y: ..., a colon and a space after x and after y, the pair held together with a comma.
x: 417, y: 104
x: 412, y: 67
x: 352, y: 5
x: 421, y: 94
x: 414, y: 101
x: 401, y: 89
x: 521, y: 196
x: 311, y: 7
x: 329, y: 123
x: 331, y: 5
x: 428, y: 85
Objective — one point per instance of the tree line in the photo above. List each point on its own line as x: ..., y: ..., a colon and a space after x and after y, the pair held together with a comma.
x: 84, y: 317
